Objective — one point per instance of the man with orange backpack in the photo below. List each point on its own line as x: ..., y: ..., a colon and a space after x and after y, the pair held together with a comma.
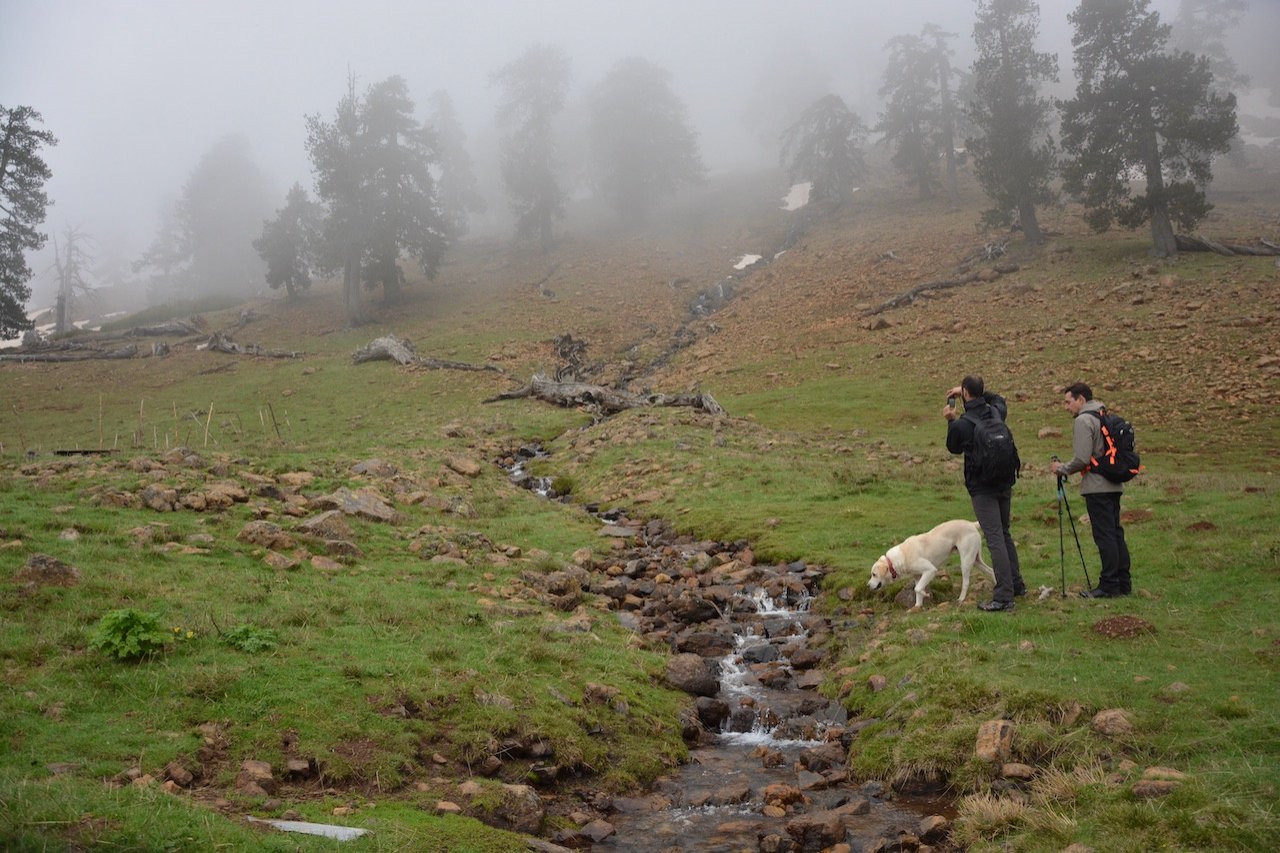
x: 1094, y: 455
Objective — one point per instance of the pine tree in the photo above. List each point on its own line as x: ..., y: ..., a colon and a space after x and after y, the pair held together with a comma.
x: 406, y: 216
x: 824, y: 146
x: 288, y: 243
x: 336, y: 151
x: 533, y: 93
x: 22, y: 204
x: 912, y: 115
x: 1140, y: 109
x: 458, y: 190
x: 373, y: 170
x: 1014, y: 154
x: 642, y: 147
x: 221, y: 202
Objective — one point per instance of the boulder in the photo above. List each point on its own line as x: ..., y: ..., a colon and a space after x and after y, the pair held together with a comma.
x: 364, y: 503
x: 43, y: 570
x: 159, y: 498
x: 692, y: 674
x: 816, y: 831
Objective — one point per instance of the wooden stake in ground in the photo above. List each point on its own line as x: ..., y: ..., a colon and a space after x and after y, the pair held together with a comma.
x: 207, y: 421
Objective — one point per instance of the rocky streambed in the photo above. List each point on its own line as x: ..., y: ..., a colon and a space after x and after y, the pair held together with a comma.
x: 767, y: 768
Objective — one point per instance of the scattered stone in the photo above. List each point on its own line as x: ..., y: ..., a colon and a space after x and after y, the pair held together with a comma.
x: 933, y: 827
x: 375, y: 468
x: 1149, y: 789
x: 179, y: 775
x: 43, y: 570
x: 1049, y: 432
x: 298, y: 768
x: 281, y: 562
x: 265, y: 534
x: 1020, y: 772
x: 255, y: 778
x: 876, y: 683
x: 331, y: 524
x: 447, y: 807
x: 70, y: 535
x: 1112, y: 722
x: 995, y: 741
x: 466, y: 467
x: 1166, y: 774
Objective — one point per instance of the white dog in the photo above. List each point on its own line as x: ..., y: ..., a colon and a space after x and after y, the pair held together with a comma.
x: 922, y: 554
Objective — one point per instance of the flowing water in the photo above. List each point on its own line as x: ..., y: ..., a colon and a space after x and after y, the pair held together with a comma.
x: 768, y: 768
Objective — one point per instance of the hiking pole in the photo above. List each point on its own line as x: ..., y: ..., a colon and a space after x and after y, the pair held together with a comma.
x: 1062, y: 494
x: 1062, y: 546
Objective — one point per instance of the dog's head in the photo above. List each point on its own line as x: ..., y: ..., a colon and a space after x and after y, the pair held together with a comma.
x: 881, y: 572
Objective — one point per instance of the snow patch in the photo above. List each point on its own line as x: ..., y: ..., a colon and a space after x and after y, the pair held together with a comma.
x: 746, y: 261
x: 798, y: 196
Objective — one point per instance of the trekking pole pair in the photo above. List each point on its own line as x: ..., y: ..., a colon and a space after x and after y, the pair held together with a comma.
x: 1062, y: 545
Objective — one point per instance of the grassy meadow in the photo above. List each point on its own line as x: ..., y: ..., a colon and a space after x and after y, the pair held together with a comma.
x: 391, y: 671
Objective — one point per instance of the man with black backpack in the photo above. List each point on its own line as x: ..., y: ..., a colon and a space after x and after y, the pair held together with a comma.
x: 1094, y: 444
x: 991, y: 467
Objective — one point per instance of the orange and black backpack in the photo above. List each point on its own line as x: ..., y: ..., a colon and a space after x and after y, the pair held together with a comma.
x: 1119, y: 461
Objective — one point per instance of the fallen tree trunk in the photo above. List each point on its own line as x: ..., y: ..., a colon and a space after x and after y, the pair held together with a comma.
x: 195, y: 325
x: 219, y: 342
x: 608, y: 401
x: 1204, y: 244
x: 911, y: 295
x: 76, y: 355
x: 399, y: 350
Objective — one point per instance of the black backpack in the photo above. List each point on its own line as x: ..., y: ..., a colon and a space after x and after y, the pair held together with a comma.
x: 994, y: 454
x: 1119, y: 462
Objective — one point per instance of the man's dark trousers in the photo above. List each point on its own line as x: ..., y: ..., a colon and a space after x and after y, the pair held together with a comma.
x: 992, y: 512
x: 1108, y: 535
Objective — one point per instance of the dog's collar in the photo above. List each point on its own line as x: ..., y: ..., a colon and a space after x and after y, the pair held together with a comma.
x: 893, y: 573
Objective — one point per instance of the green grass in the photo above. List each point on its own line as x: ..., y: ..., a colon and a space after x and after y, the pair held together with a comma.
x: 380, y: 664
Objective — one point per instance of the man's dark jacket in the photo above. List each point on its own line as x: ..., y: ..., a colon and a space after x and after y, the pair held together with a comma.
x: 960, y: 440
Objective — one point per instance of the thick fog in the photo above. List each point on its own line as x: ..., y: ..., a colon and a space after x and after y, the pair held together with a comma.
x: 139, y: 91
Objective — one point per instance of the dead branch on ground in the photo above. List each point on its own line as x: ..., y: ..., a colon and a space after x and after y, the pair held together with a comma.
x: 1186, y: 243
x: 399, y: 350
x: 990, y: 274
x: 607, y: 401
x: 221, y: 342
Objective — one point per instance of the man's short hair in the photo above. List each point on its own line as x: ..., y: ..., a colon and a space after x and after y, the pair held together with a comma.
x: 1078, y: 389
x: 973, y: 386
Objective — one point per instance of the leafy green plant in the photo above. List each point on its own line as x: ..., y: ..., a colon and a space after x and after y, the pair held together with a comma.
x: 251, y: 639
x: 130, y: 635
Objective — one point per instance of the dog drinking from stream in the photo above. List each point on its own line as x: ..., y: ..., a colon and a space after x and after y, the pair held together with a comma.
x: 921, y: 556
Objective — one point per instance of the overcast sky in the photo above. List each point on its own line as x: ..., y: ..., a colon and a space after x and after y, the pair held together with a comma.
x: 137, y: 91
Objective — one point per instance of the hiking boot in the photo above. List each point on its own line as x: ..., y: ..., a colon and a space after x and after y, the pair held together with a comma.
x: 993, y: 606
x: 1099, y: 592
